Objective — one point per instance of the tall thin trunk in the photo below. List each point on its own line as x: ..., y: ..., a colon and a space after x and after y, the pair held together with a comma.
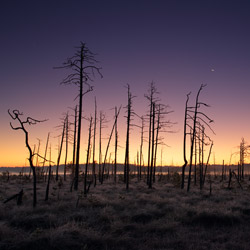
x: 202, y: 156
x: 79, y: 120
x: 107, y: 148
x: 116, y: 146
x: 192, y: 138
x: 94, y: 162
x: 127, y: 167
x: 184, y: 144
x: 74, y: 138
x: 100, y: 146
x: 152, y: 150
x: 157, y: 139
x: 149, y: 139
x: 38, y: 151
x: 60, y: 150
x: 195, y: 160
x: 142, y: 128
x: 87, y: 158
x: 66, y: 142
x: 48, y: 183
x: 45, y: 154
x: 209, y: 154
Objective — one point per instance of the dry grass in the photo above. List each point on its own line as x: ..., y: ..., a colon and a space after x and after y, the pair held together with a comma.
x: 110, y: 217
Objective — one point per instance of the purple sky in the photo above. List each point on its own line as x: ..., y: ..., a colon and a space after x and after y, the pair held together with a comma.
x: 177, y: 44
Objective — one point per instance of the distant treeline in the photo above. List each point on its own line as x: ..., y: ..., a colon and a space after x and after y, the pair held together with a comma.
x: 120, y: 168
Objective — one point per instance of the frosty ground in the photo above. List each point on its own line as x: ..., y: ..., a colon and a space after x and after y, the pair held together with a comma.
x: 110, y: 217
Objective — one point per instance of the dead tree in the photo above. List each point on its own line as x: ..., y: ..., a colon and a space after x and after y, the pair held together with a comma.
x: 162, y: 126
x: 48, y: 183
x: 45, y: 154
x: 94, y: 137
x: 60, y: 150
x: 107, y: 148
x: 196, y: 117
x: 185, y: 141
x: 208, y: 158
x: 129, y: 114
x: 83, y: 66
x: 66, y: 143
x: 116, y: 147
x: 244, y: 152
x: 151, y: 98
x: 101, y: 126
x: 153, y: 147
x: 195, y: 160
x: 38, y: 151
x: 87, y: 157
x: 74, y: 138
x: 15, y: 115
x: 141, y: 147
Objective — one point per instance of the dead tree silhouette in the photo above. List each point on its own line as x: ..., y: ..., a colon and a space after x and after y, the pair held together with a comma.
x: 60, y: 149
x: 102, y: 122
x: 83, y: 66
x: 129, y: 114
x: 88, y: 158
x: 107, y: 148
x: 244, y: 152
x: 152, y: 100
x: 45, y: 154
x: 67, y: 128
x: 141, y: 147
x: 194, y: 114
x: 162, y: 126
x: 15, y: 115
x: 74, y: 138
x: 185, y: 142
x: 116, y: 147
x: 94, y: 140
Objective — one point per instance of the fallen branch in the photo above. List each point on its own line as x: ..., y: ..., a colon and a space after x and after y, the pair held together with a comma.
x: 17, y: 196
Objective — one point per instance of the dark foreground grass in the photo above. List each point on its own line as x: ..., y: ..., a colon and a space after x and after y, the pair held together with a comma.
x: 110, y: 217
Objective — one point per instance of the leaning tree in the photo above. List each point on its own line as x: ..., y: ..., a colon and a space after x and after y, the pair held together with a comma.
x: 15, y: 115
x: 193, y: 118
x: 83, y: 67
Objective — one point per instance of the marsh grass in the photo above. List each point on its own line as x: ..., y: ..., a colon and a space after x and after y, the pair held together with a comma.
x: 110, y: 217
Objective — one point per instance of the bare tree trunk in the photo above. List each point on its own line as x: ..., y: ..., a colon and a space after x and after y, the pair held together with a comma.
x: 79, y: 122
x: 47, y: 188
x: 60, y: 150
x: 184, y: 144
x: 94, y: 162
x: 100, y: 147
x: 38, y: 149
x: 192, y: 137
x: 195, y: 160
x: 106, y: 153
x: 142, y: 132
x: 116, y: 147
x: 127, y: 167
x: 157, y: 139
x: 74, y: 139
x: 202, y: 156
x: 209, y: 154
x: 66, y: 142
x: 149, y: 140
x: 87, y: 158
x: 152, y: 150
x: 45, y: 154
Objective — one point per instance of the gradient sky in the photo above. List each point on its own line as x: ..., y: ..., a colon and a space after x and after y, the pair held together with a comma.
x: 177, y: 44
